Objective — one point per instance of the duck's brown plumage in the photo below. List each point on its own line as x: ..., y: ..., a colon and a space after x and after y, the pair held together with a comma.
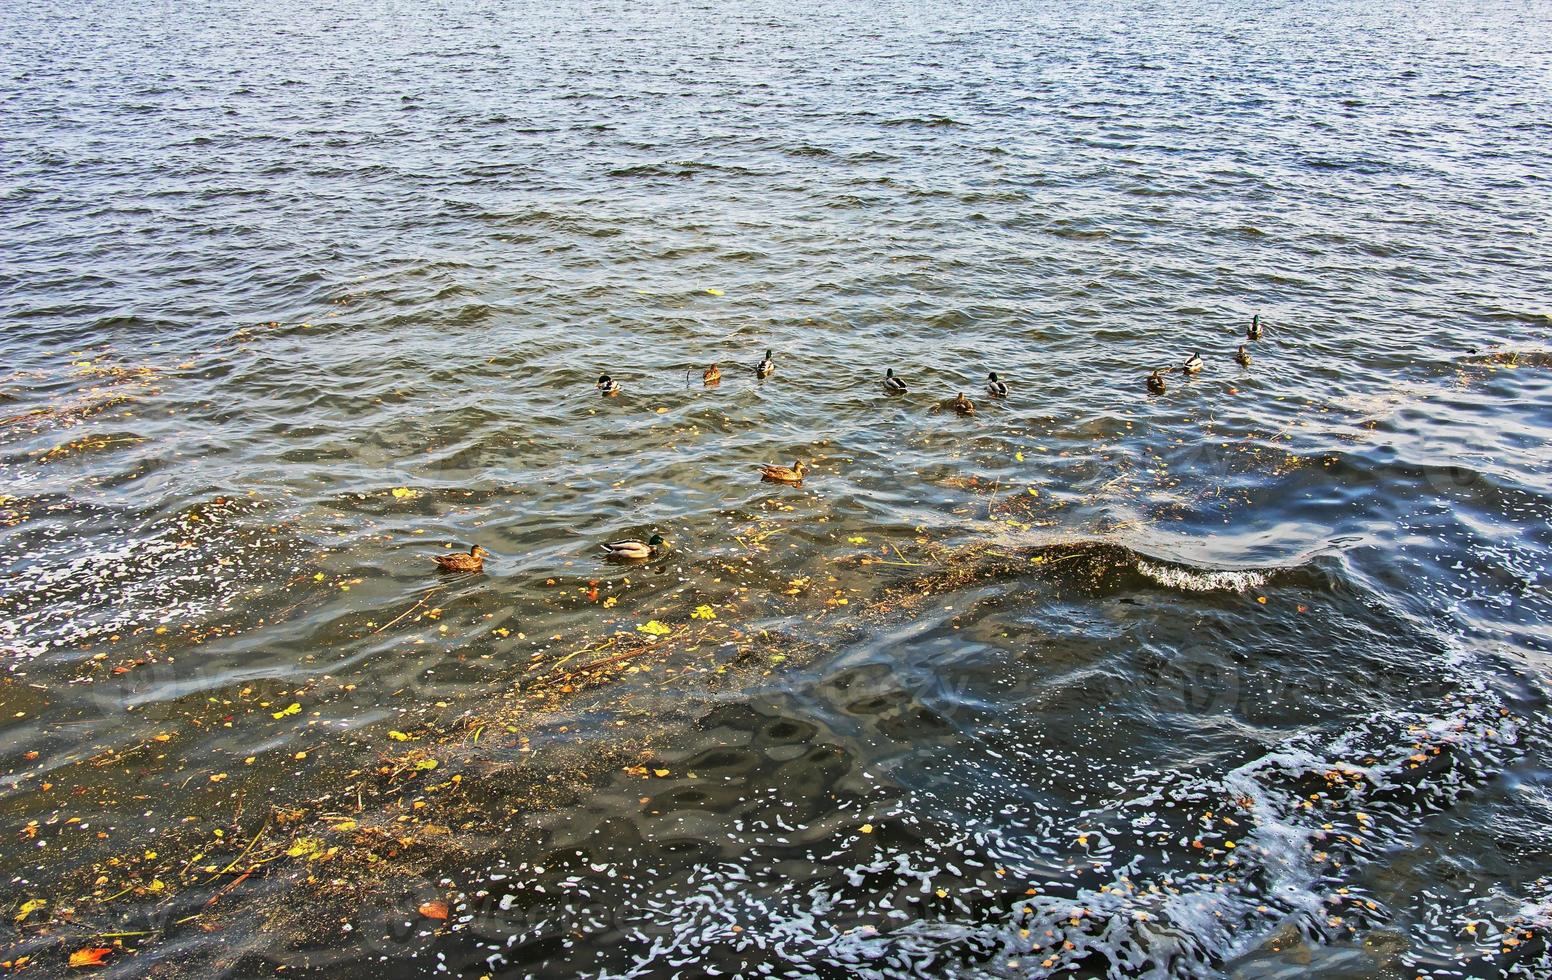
x: 474, y: 561
x: 961, y: 404
x: 711, y: 375
x: 783, y: 474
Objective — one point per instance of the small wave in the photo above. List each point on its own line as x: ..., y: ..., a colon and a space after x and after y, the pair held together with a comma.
x: 1195, y: 580
x: 930, y: 122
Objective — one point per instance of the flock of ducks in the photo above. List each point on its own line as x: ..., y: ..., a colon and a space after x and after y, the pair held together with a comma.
x: 633, y: 550
x: 1194, y: 364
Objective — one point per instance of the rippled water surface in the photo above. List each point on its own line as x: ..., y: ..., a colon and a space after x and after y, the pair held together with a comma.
x: 1246, y: 678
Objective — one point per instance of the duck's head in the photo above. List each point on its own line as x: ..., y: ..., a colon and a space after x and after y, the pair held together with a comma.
x: 604, y: 379
x: 797, y: 466
x: 1255, y: 321
x: 655, y: 540
x: 477, y: 552
x: 767, y: 353
x: 991, y: 376
x: 889, y: 373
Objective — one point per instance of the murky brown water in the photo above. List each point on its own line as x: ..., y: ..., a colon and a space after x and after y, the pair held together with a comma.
x: 1247, y: 678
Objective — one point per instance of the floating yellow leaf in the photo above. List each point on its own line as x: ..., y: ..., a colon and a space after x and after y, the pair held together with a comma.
x: 398, y: 736
x: 426, y: 764
x: 30, y: 906
x: 660, y: 772
x: 703, y: 612
x: 345, y: 825
x: 318, y: 577
x: 304, y: 847
x: 856, y: 539
x: 1019, y: 457
x: 867, y: 828
x: 403, y: 493
x: 654, y: 628
x: 290, y: 709
x: 713, y: 290
x: 610, y: 601
x: 1033, y: 492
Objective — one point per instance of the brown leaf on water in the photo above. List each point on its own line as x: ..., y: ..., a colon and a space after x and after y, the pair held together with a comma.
x: 434, y: 910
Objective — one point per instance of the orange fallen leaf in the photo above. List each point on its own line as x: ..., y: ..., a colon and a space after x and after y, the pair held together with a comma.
x: 434, y: 910
x: 89, y: 956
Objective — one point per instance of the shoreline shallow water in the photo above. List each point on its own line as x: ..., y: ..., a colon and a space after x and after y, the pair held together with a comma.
x: 1247, y: 678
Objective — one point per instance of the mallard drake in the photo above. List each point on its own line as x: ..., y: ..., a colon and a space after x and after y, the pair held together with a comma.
x: 766, y: 367
x: 782, y: 474
x: 1253, y: 332
x: 1193, y: 364
x: 474, y: 561
x: 995, y: 386
x: 1242, y: 356
x: 711, y: 375
x: 1156, y: 382
x: 608, y: 386
x: 961, y: 404
x: 894, y: 385
x: 633, y: 550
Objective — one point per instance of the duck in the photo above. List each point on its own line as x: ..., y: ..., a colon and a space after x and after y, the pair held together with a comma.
x: 1156, y: 382
x: 961, y: 404
x: 1253, y: 332
x: 766, y: 367
x: 995, y: 386
x: 1242, y: 356
x: 608, y: 386
x: 783, y: 474
x: 633, y: 550
x: 1193, y: 364
x: 711, y: 375
x: 474, y: 561
x: 894, y: 385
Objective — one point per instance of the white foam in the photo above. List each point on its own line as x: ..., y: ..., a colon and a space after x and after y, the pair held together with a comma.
x: 1192, y: 580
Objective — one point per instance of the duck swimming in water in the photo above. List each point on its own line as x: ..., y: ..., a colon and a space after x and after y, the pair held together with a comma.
x: 995, y: 386
x: 608, y: 386
x: 892, y: 384
x: 711, y: 376
x: 783, y: 474
x: 474, y: 561
x: 961, y: 404
x: 1242, y: 356
x: 1253, y: 332
x: 766, y: 367
x: 1193, y: 364
x: 1156, y: 382
x: 632, y: 550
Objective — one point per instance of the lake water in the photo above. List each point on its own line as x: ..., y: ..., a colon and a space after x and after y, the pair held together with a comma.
x: 1247, y: 678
